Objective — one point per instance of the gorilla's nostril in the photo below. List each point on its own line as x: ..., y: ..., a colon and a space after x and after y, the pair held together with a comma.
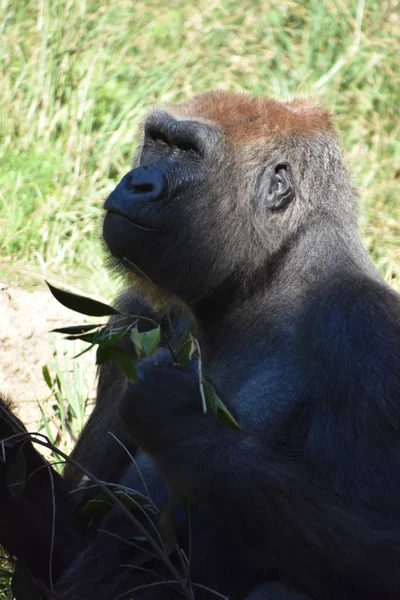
x: 142, y: 188
x: 146, y: 182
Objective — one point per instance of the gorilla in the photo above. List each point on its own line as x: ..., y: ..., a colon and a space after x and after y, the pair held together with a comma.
x: 240, y: 218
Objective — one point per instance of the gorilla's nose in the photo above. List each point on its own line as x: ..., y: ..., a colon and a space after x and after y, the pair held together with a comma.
x: 148, y: 183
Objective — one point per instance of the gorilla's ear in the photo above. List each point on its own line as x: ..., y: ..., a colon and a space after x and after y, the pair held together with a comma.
x: 279, y: 186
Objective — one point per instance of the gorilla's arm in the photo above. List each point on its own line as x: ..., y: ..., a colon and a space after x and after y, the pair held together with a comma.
x: 283, y: 514
x: 37, y: 524
x: 97, y: 449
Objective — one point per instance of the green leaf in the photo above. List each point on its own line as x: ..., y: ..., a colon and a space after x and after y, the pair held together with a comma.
x: 112, y: 335
x: 225, y: 415
x: 106, y: 335
x: 143, y: 554
x: 90, y: 338
x: 166, y: 528
x: 100, y: 505
x: 131, y: 499
x: 139, y: 538
x: 76, y: 329
x: 16, y: 473
x: 210, y: 395
x: 97, y: 507
x: 145, y: 342
x: 121, y: 358
x: 59, y: 384
x: 82, y: 304
x: 136, y: 340
x: 151, y: 340
x: 47, y: 376
x: 102, y: 354
x: 187, y: 350
x: 5, y: 574
x: 84, y: 351
x: 218, y: 407
x: 84, y: 480
x: 124, y: 361
x: 46, y: 425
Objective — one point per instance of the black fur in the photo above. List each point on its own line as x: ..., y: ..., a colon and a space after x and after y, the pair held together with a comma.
x: 31, y: 518
x: 300, y: 337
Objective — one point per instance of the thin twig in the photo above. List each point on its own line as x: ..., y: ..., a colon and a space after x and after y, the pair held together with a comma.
x: 44, y: 466
x: 200, y: 374
x: 132, y: 458
x: 140, y: 568
x: 149, y: 585
x: 45, y: 442
x: 127, y: 542
x: 189, y: 510
x: 53, y: 529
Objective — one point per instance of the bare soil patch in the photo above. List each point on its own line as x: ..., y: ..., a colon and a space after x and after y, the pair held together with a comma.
x: 26, y: 344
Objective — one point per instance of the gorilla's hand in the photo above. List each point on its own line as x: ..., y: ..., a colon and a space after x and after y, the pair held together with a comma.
x: 164, y: 406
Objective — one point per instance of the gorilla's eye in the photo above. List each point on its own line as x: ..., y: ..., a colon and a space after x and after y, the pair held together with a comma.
x: 155, y: 135
x: 181, y: 139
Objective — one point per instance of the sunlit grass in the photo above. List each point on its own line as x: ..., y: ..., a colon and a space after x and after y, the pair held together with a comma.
x: 77, y: 77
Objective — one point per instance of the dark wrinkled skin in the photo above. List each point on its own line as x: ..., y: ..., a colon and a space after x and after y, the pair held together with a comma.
x: 300, y: 337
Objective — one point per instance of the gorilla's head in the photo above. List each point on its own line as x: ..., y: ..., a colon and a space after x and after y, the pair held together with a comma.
x: 216, y: 191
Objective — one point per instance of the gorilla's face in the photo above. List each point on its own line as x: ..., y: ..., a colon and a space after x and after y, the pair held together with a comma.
x: 188, y: 215
x: 172, y: 214
x: 176, y: 157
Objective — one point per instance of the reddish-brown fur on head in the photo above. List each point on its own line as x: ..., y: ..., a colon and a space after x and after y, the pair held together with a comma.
x: 244, y: 119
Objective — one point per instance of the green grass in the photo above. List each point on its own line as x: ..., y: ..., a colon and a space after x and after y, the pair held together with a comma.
x: 76, y: 78
x: 64, y: 412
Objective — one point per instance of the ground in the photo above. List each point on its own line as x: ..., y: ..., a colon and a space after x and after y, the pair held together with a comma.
x: 26, y: 319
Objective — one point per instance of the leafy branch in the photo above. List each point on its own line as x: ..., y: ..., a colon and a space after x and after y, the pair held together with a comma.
x: 108, y: 338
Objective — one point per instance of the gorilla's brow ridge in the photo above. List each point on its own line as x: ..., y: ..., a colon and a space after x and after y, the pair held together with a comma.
x: 245, y: 119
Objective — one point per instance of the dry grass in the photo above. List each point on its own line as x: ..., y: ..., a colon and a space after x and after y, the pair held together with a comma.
x: 76, y: 78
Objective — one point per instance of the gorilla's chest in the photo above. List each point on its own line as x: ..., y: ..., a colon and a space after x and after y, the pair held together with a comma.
x: 268, y: 396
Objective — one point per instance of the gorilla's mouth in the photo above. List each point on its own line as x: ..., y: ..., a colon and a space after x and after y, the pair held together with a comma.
x: 138, y: 198
x: 122, y: 233
x: 135, y: 221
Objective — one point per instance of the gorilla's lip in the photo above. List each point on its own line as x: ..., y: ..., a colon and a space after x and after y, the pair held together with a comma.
x: 135, y: 221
